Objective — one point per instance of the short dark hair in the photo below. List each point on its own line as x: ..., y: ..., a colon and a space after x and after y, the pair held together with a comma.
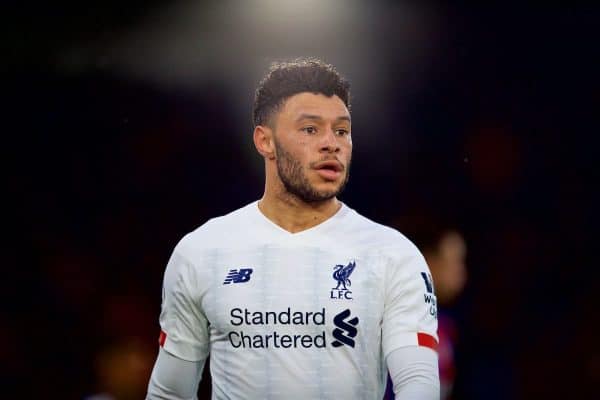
x: 286, y: 79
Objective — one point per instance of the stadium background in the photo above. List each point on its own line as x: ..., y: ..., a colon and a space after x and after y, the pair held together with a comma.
x: 127, y: 124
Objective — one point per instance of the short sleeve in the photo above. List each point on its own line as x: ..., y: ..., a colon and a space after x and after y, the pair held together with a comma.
x: 184, y: 327
x: 410, y: 310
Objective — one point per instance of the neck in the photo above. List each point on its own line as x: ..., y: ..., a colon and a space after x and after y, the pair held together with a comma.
x: 293, y: 214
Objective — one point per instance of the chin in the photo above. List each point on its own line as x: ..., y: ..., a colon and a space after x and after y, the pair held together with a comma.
x: 327, y: 194
x: 325, y: 190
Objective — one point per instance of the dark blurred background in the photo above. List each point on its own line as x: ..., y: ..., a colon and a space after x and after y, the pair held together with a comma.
x: 128, y: 124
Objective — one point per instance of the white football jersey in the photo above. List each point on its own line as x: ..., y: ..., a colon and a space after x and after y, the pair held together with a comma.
x: 307, y: 315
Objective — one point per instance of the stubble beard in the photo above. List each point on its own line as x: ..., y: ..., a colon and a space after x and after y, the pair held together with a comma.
x: 294, y: 179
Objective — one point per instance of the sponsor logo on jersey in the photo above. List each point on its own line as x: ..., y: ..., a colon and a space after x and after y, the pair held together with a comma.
x: 345, y: 332
x: 238, y: 276
x: 428, y: 282
x: 271, y: 329
x: 341, y: 274
x: 429, y: 296
x: 275, y: 339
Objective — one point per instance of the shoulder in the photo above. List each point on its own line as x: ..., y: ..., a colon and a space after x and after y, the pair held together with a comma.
x: 388, y: 240
x: 216, y: 233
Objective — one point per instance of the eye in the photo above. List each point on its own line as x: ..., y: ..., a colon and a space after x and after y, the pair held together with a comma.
x: 342, y: 132
x: 309, y: 129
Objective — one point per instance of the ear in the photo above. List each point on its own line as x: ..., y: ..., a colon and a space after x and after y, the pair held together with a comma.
x: 263, y: 140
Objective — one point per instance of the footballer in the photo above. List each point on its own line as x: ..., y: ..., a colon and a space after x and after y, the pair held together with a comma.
x: 296, y: 295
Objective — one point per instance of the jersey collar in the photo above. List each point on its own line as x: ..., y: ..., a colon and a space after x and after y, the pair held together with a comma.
x: 322, y: 227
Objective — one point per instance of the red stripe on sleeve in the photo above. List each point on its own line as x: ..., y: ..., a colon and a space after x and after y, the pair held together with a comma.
x: 161, y: 338
x: 427, y: 341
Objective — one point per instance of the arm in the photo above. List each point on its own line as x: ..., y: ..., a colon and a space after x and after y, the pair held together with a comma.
x: 414, y: 373
x: 184, y: 336
x: 409, y: 326
x: 173, y: 378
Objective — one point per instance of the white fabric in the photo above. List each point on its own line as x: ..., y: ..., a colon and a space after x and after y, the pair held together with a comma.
x: 256, y: 353
x: 415, y: 373
x: 173, y: 378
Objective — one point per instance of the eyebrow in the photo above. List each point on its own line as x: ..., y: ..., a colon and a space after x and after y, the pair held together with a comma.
x: 319, y: 118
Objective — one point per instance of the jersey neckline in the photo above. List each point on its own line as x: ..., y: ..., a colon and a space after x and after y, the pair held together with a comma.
x: 339, y: 214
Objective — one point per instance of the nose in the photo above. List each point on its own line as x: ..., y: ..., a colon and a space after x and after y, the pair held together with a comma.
x: 329, y: 142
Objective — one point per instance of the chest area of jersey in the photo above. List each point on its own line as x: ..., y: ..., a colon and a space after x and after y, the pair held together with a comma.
x: 299, y: 287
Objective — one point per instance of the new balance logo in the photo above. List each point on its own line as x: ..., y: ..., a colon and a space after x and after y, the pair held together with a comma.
x: 238, y: 276
x: 345, y: 331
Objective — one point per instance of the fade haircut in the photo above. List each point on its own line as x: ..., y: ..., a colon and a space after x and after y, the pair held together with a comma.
x: 286, y: 79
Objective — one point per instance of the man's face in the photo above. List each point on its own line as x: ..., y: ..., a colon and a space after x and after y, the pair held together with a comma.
x: 313, y: 146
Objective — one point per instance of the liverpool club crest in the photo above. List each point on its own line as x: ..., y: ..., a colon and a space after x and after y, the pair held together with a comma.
x: 341, y: 274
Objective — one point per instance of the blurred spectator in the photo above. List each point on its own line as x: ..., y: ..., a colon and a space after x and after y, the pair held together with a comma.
x: 446, y: 259
x: 122, y: 371
x: 444, y: 249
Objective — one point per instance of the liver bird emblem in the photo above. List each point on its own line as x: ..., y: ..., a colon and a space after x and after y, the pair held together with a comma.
x: 342, y: 275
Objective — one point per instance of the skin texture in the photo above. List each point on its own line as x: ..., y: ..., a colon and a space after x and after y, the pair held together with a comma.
x: 307, y: 130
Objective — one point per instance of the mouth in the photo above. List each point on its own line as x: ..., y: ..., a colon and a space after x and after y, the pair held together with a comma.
x: 331, y: 165
x: 329, y: 170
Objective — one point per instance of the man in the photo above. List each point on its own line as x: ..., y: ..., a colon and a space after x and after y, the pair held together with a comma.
x: 297, y: 296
